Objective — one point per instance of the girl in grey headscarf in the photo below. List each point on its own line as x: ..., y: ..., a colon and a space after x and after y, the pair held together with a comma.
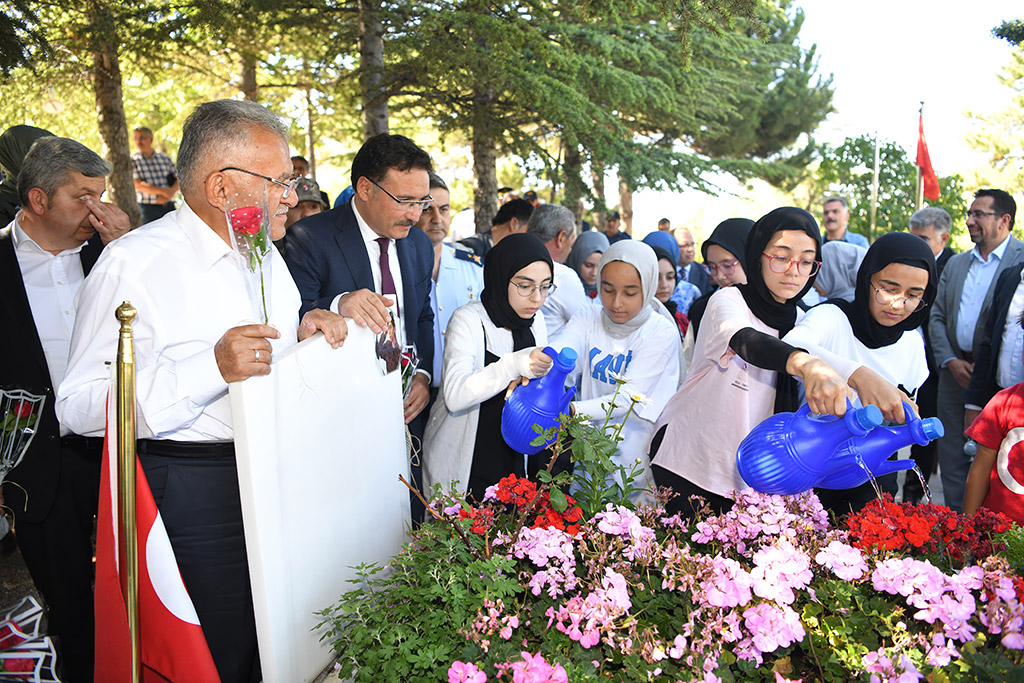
x: 837, y: 278
x: 629, y: 338
x: 584, y: 257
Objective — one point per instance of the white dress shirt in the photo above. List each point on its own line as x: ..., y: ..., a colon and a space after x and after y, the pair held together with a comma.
x: 979, y: 278
x: 51, y: 283
x: 189, y: 287
x: 1010, y: 367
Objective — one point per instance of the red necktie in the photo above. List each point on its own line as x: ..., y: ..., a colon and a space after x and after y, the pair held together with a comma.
x: 387, y: 283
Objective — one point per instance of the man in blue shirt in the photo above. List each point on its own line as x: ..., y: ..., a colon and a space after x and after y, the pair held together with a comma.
x: 835, y: 216
x: 964, y: 298
x: 458, y: 275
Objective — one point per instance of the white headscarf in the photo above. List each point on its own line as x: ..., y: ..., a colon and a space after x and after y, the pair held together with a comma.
x: 641, y: 257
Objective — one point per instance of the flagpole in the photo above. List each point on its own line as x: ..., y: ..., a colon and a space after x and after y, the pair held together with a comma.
x: 920, y: 176
x: 874, y: 193
x: 126, y: 434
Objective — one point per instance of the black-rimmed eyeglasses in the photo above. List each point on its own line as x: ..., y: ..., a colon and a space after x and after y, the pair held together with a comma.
x: 421, y: 204
x: 288, y: 185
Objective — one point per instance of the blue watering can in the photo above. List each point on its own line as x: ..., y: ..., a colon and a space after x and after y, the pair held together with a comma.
x: 788, y: 453
x: 874, y: 450
x: 538, y: 403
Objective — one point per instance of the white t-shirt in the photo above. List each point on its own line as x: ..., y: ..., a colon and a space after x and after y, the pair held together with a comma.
x: 826, y: 333
x: 722, y: 399
x: 649, y: 361
x: 568, y: 297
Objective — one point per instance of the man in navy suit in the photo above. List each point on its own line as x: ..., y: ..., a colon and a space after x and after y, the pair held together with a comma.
x: 365, y: 256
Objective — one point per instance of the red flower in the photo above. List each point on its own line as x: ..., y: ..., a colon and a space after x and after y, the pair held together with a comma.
x: 18, y: 665
x: 23, y: 409
x: 9, y: 637
x: 246, y: 220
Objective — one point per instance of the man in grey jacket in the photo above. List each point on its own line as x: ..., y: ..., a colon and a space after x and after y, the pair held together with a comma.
x: 964, y: 298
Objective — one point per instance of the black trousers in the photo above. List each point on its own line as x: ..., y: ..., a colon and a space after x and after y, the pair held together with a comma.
x: 926, y: 456
x: 150, y: 212
x: 197, y: 495
x: 58, y: 554
x: 684, y: 488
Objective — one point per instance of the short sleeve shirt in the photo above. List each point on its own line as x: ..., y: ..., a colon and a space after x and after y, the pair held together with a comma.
x: 156, y: 170
x: 1001, y: 428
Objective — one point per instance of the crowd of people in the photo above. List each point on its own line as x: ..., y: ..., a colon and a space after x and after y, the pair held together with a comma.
x: 775, y: 314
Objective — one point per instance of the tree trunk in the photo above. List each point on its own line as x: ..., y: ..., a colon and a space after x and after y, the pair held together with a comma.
x: 371, y: 78
x: 110, y: 119
x: 626, y: 207
x: 575, y: 189
x: 485, y: 171
x: 310, y: 135
x: 600, y: 205
x: 247, y: 76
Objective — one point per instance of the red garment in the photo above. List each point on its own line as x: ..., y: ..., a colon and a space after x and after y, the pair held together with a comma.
x: 1001, y: 428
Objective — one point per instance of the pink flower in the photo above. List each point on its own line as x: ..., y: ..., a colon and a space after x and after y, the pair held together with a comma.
x: 844, y: 560
x: 460, y: 672
x: 533, y: 669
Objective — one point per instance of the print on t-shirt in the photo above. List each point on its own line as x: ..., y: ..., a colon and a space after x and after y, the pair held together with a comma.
x: 611, y: 362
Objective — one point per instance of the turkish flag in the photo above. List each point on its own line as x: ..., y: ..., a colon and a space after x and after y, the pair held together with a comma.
x: 172, y: 642
x: 924, y: 162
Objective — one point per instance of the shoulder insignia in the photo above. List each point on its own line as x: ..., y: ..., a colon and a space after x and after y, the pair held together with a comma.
x: 464, y: 255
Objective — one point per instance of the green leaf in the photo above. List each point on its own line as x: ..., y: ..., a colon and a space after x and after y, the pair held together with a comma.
x: 558, y: 501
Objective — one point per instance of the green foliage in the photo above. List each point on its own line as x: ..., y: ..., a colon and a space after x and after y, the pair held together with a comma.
x: 1014, y: 551
x: 847, y: 171
x: 1012, y: 31
x: 386, y: 628
x: 1001, y: 134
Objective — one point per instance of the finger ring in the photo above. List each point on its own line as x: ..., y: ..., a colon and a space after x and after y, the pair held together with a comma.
x: 257, y: 355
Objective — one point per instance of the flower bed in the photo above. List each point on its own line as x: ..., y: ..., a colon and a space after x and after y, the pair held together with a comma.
x: 514, y: 590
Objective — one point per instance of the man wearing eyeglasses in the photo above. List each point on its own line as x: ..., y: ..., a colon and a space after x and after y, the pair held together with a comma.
x: 964, y: 299
x: 556, y: 227
x: 190, y: 290
x: 366, y: 256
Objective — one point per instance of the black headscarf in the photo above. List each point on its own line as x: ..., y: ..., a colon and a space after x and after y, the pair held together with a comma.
x: 894, y: 247
x: 502, y: 262
x: 731, y: 235
x: 14, y: 145
x: 759, y: 299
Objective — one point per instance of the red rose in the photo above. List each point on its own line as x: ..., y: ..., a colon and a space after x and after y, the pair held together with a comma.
x: 19, y: 665
x: 246, y: 220
x: 23, y: 409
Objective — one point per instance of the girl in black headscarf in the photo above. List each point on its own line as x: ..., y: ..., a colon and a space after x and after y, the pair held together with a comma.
x: 741, y: 371
x: 488, y: 344
x: 875, y: 337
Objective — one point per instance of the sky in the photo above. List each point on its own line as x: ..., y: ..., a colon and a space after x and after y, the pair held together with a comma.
x: 886, y: 56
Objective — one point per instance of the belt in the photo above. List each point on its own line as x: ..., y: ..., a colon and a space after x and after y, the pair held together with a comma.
x: 83, y: 443
x: 186, y: 449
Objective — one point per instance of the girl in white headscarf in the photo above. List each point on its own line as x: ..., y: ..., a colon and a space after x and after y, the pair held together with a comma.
x: 630, y: 336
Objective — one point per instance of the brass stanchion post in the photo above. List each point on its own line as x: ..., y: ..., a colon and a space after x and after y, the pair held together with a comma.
x: 128, y: 551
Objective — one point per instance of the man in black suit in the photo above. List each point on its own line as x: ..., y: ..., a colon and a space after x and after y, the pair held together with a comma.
x: 45, y: 253
x: 933, y: 225
x: 689, y: 270
x: 365, y: 256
